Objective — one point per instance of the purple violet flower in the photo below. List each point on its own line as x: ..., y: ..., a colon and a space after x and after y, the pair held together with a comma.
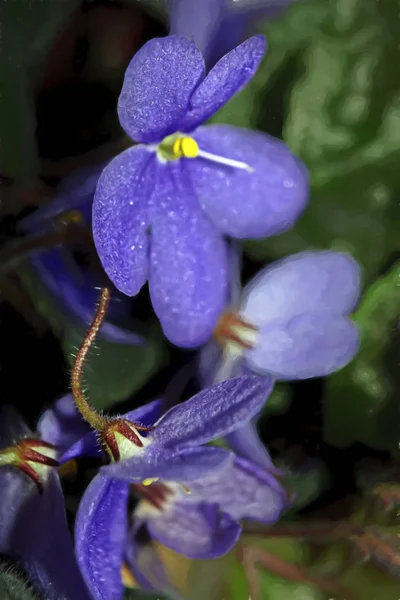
x: 33, y: 524
x: 75, y: 287
x: 171, y: 450
x: 162, y: 208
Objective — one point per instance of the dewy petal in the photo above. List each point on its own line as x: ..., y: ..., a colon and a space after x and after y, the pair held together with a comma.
x: 308, y: 345
x: 169, y: 465
x: 33, y: 526
x: 101, y: 529
x: 243, y: 204
x: 198, y: 531
x: 303, y: 282
x: 188, y: 277
x: 158, y: 84
x: 120, y: 217
x: 243, y: 490
x: 213, y: 413
x: 231, y: 73
x: 196, y: 21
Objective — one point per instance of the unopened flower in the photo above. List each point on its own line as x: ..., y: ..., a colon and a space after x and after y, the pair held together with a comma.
x: 73, y: 283
x: 162, y: 208
x: 33, y: 524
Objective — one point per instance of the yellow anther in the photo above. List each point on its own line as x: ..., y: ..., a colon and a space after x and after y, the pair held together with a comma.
x: 70, y: 217
x: 185, y: 147
x: 150, y: 480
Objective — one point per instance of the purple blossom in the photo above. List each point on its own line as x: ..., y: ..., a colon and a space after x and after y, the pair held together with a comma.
x: 172, y: 451
x: 33, y: 525
x: 292, y: 320
x: 74, y: 286
x: 162, y: 208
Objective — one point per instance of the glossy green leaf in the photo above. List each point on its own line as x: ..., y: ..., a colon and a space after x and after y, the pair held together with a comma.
x: 14, y: 586
x: 361, y: 402
x: 344, y: 122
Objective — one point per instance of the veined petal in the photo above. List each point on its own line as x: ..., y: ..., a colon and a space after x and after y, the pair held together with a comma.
x: 120, y: 217
x: 308, y: 345
x: 197, y: 531
x: 303, y: 282
x: 188, y: 277
x: 243, y: 490
x: 213, y: 413
x: 246, y: 442
x: 101, y: 529
x: 158, y: 84
x: 243, y: 204
x: 231, y: 73
x: 169, y: 465
x: 196, y: 21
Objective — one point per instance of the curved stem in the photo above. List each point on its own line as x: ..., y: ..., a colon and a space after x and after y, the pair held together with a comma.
x: 87, y: 412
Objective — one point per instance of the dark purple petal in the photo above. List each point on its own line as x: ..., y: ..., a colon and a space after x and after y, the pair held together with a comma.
x: 308, y: 345
x: 188, y: 263
x: 243, y: 490
x: 120, y: 217
x: 101, y: 529
x: 158, y: 84
x: 196, y: 21
x: 246, y: 442
x: 229, y: 75
x: 33, y: 526
x: 62, y: 425
x: 275, y: 192
x: 170, y: 465
x: 197, y: 530
x: 303, y: 282
x: 213, y: 413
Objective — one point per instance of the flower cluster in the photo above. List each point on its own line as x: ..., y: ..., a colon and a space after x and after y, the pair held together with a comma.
x: 169, y: 211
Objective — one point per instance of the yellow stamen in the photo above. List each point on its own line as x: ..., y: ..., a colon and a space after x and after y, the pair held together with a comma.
x: 149, y: 481
x: 185, y: 147
x: 127, y: 577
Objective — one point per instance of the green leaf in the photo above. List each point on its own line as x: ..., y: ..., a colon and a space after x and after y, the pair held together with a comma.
x: 14, y: 586
x: 28, y: 28
x: 113, y: 372
x: 361, y: 402
x: 344, y: 122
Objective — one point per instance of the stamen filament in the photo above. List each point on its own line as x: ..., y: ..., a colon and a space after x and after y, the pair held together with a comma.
x: 87, y: 412
x: 229, y: 162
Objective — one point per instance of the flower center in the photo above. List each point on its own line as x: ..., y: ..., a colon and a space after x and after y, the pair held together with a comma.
x: 179, y: 145
x: 232, y: 330
x: 33, y: 457
x: 121, y: 439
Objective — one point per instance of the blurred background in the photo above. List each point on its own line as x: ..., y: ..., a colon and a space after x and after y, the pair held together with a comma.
x: 330, y: 87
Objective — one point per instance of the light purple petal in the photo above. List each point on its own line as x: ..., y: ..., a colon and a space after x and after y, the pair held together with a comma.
x: 303, y: 282
x: 198, y: 21
x: 158, y: 84
x: 243, y: 490
x: 33, y: 526
x: 213, y: 413
x: 188, y: 263
x: 169, y: 465
x: 101, y: 529
x: 243, y: 204
x: 62, y: 425
x: 143, y: 559
x: 246, y: 442
x: 120, y: 217
x: 198, y: 531
x: 229, y: 75
x: 89, y: 446
x: 308, y: 345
